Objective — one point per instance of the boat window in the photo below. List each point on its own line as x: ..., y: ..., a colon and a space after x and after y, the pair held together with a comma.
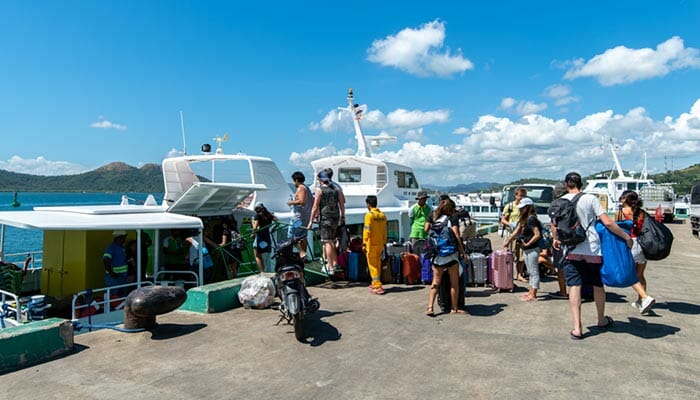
x: 601, y: 185
x: 405, y: 180
x: 392, y: 231
x: 633, y: 186
x: 222, y: 170
x: 349, y: 175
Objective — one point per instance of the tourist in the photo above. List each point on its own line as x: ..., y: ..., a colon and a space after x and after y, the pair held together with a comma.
x: 631, y: 210
x: 419, y: 215
x: 207, y: 262
x: 510, y: 219
x: 450, y: 263
x: 301, y: 204
x: 262, y: 242
x: 114, y: 262
x: 528, y: 232
x: 582, y: 263
x: 374, y: 240
x: 174, y: 250
x: 331, y: 213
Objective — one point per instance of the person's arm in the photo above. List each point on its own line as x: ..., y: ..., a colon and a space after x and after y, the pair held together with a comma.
x: 341, y: 203
x: 315, y: 208
x: 506, y: 214
x: 27, y: 261
x: 460, y: 248
x: 299, y: 198
x: 612, y: 227
x: 513, y: 235
x: 367, y: 230
x: 536, y: 235
x: 107, y: 263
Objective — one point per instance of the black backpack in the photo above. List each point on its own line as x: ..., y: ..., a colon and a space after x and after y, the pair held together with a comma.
x: 654, y: 238
x: 562, y: 212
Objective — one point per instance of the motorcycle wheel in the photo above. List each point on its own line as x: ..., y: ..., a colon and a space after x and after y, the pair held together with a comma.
x: 298, y: 326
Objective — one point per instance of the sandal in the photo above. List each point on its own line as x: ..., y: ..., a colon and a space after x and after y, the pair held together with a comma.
x: 458, y: 311
x: 429, y: 312
x: 573, y: 336
x: 608, y: 323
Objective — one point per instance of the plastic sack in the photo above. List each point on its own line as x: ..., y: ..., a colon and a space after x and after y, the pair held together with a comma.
x: 618, y: 268
x: 257, y: 291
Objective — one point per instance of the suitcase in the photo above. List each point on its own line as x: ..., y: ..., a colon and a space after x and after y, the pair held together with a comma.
x: 426, y: 269
x: 502, y: 266
x: 444, y: 298
x: 395, y: 262
x: 357, y: 267
x: 478, y: 270
x: 387, y: 275
x: 410, y: 268
x: 478, y: 245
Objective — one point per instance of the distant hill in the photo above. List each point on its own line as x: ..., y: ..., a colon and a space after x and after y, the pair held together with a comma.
x: 114, y: 177
x: 465, y: 188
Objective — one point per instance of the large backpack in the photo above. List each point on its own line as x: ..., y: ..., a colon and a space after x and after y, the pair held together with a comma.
x: 654, y: 238
x: 562, y: 212
x: 467, y: 226
x: 441, y: 238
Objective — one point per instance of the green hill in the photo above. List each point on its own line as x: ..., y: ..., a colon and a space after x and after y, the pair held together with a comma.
x: 114, y: 177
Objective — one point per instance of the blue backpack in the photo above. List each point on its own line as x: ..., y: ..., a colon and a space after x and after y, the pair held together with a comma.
x: 441, y: 238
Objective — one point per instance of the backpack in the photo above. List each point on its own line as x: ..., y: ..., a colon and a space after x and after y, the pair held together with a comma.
x: 562, y: 212
x: 545, y: 241
x: 467, y: 226
x: 655, y: 239
x: 441, y: 238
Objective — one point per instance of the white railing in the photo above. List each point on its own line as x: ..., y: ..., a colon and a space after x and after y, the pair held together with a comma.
x: 102, y: 299
x: 11, y: 310
x: 182, y: 280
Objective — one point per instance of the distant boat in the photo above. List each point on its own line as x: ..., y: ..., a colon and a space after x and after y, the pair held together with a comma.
x: 15, y: 202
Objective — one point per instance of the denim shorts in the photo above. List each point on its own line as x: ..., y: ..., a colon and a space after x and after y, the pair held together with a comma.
x: 578, y: 273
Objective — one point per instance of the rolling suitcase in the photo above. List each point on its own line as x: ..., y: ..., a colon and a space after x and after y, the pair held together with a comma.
x: 478, y: 271
x: 502, y: 266
x: 426, y: 269
x: 410, y: 268
x: 357, y: 267
x: 478, y: 245
x: 444, y: 298
x: 387, y: 275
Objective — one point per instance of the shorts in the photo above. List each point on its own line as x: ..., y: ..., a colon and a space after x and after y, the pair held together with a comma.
x: 579, y: 273
x: 297, y: 229
x: 328, y: 231
x: 638, y: 253
x: 262, y: 246
x: 446, y: 261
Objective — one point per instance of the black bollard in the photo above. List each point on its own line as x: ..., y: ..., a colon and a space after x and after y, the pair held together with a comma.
x: 143, y: 304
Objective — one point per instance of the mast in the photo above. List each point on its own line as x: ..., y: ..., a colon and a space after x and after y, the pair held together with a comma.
x: 620, y: 173
x: 644, y: 168
x: 356, y: 112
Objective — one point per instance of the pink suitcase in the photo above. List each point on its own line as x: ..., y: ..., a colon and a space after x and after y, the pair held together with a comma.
x: 502, y: 270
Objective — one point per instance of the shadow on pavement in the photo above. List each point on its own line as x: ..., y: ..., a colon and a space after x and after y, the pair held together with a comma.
x: 485, y: 310
x: 637, y: 327
x: 320, y: 331
x: 400, y: 289
x: 611, y: 297
x: 679, y: 307
x: 169, y: 331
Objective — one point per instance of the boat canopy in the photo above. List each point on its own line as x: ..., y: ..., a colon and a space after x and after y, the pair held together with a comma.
x: 206, y: 199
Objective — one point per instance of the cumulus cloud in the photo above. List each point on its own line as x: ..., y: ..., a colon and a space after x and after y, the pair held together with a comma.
x: 502, y: 149
x: 522, y: 107
x: 303, y: 159
x: 419, y: 52
x: 102, y: 123
x: 396, y: 122
x: 461, y: 131
x: 621, y: 64
x: 41, y: 166
x: 561, y: 94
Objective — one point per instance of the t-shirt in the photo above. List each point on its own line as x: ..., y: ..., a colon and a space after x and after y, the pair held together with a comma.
x: 513, y: 214
x: 419, y: 216
x: 588, y: 210
x: 528, y: 231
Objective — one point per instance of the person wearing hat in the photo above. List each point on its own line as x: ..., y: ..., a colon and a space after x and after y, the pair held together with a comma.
x: 528, y: 233
x: 114, y: 261
x: 331, y: 213
x: 419, y: 215
x: 509, y: 219
x: 262, y: 242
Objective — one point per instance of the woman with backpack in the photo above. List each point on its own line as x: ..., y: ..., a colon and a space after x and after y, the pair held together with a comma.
x: 528, y: 233
x: 631, y: 209
x: 446, y: 258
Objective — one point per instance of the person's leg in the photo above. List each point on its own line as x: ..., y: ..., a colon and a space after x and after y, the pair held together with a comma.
x: 640, y: 275
x: 561, y: 281
x: 259, y: 260
x: 599, y: 299
x: 573, y: 280
x: 434, y: 286
x: 453, y: 270
x: 374, y: 262
x: 331, y: 257
x: 302, y: 246
x: 533, y: 269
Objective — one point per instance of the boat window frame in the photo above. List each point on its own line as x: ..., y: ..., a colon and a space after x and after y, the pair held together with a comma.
x: 349, y: 175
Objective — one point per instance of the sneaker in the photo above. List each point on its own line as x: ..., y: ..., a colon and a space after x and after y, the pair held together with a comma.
x: 646, y: 304
x: 635, y: 304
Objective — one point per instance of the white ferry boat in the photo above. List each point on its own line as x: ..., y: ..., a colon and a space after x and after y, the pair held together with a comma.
x: 485, y: 208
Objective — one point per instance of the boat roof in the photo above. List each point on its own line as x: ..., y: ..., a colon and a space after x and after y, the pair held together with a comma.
x: 97, y: 218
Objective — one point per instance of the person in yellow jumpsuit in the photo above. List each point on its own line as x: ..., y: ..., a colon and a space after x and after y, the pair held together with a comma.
x: 374, y: 240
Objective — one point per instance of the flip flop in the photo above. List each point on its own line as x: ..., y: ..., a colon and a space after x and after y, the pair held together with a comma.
x: 458, y: 311
x: 429, y: 312
x: 575, y: 337
x: 608, y: 323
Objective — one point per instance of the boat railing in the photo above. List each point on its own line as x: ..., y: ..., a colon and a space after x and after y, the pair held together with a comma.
x: 18, y: 258
x: 102, y: 300
x: 11, y: 310
x: 176, y: 278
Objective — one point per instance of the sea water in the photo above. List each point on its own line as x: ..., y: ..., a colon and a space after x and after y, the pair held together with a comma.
x: 20, y: 242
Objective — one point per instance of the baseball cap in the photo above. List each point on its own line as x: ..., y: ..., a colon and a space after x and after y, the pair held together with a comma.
x: 323, y: 176
x: 525, y: 201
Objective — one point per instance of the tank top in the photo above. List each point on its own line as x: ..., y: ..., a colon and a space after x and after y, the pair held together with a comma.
x: 329, y: 202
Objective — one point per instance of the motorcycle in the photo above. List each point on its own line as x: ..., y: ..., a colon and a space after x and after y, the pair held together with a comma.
x: 296, y: 301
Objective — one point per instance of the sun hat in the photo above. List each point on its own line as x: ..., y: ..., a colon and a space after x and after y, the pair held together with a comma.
x: 525, y: 201
x: 422, y: 195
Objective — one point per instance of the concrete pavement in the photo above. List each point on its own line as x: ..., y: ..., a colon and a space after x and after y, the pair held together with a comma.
x: 383, y: 347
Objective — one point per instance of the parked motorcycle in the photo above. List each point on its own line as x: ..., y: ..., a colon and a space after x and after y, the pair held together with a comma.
x: 296, y: 301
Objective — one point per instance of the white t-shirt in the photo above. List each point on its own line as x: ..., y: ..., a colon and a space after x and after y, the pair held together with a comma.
x: 588, y: 210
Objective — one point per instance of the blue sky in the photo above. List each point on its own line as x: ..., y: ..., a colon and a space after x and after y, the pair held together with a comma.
x: 474, y: 91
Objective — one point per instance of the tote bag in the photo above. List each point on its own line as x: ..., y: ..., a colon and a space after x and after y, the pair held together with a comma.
x: 618, y: 268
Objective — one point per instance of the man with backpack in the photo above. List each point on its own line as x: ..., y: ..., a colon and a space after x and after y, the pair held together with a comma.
x: 573, y: 229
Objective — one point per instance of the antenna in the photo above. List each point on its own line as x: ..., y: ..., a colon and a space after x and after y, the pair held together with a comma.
x: 219, y: 141
x: 356, y: 112
x: 182, y: 128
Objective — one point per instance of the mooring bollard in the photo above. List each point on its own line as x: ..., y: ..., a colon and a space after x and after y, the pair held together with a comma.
x: 143, y: 304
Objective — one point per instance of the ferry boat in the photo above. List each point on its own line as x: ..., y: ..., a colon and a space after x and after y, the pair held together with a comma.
x: 362, y: 174
x: 609, y: 188
x: 485, y: 208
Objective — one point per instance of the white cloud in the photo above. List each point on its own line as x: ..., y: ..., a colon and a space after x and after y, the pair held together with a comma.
x: 102, y: 123
x: 522, y: 107
x: 561, y: 94
x: 303, y: 159
x: 41, y: 166
x: 461, y: 131
x: 502, y: 149
x: 399, y: 121
x: 624, y: 65
x: 419, y: 52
